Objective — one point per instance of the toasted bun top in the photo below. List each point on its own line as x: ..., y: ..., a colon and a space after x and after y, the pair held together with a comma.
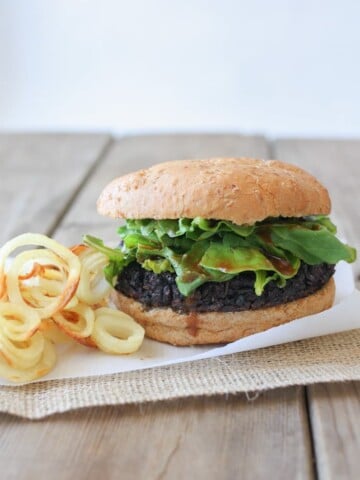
x: 242, y: 190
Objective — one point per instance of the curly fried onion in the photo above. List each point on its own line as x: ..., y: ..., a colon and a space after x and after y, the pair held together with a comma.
x: 52, y: 332
x: 18, y: 323
x: 77, y: 323
x: 53, y: 295
x: 58, y: 278
x: 24, y: 354
x: 92, y: 288
x: 33, y: 370
x: 116, y: 332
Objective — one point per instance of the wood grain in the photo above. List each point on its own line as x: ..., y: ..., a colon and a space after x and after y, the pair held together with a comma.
x: 39, y: 176
x: 204, y: 438
x: 335, y: 409
x: 335, y: 413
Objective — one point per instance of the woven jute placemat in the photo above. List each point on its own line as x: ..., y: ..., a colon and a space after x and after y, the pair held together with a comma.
x: 330, y: 358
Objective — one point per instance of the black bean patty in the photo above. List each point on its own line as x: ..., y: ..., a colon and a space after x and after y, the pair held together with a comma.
x: 160, y: 290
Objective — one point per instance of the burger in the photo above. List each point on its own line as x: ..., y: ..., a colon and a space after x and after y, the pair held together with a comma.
x: 217, y: 249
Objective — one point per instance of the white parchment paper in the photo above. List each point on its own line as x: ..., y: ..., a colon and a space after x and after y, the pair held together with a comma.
x: 79, y: 361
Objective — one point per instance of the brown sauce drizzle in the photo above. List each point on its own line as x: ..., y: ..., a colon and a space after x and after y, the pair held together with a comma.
x: 283, y: 266
x: 189, y: 277
x: 265, y: 235
x: 192, y: 321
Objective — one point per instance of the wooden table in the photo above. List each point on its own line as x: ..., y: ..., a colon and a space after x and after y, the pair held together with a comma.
x: 49, y: 184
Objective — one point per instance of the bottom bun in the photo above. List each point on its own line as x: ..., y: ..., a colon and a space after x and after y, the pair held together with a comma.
x: 166, y: 325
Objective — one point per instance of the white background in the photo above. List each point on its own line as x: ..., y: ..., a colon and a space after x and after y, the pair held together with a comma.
x: 268, y: 66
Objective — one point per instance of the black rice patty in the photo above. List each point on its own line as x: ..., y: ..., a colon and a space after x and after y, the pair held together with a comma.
x: 160, y: 290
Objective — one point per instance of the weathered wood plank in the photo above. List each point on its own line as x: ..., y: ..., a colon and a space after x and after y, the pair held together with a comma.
x: 335, y: 413
x: 205, y: 438
x: 39, y: 175
x: 335, y: 409
x: 226, y: 438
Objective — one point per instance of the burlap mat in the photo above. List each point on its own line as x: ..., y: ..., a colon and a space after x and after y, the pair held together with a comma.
x: 325, y: 359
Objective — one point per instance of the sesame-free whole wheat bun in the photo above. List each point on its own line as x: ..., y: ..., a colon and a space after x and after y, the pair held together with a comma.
x: 239, y: 190
x: 242, y: 190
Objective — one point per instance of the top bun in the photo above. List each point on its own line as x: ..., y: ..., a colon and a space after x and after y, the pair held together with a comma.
x: 242, y: 190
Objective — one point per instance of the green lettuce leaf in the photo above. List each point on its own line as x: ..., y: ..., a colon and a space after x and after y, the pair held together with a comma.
x: 199, y: 250
x: 262, y: 278
x: 157, y: 266
x: 312, y: 245
x: 240, y: 259
x: 117, y: 259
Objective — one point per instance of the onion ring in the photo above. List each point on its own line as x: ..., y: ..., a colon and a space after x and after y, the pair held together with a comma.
x: 115, y: 332
x: 45, y: 363
x: 52, y: 332
x: 18, y: 323
x: 24, y: 354
x: 78, y: 323
x: 92, y: 288
x: 64, y: 256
